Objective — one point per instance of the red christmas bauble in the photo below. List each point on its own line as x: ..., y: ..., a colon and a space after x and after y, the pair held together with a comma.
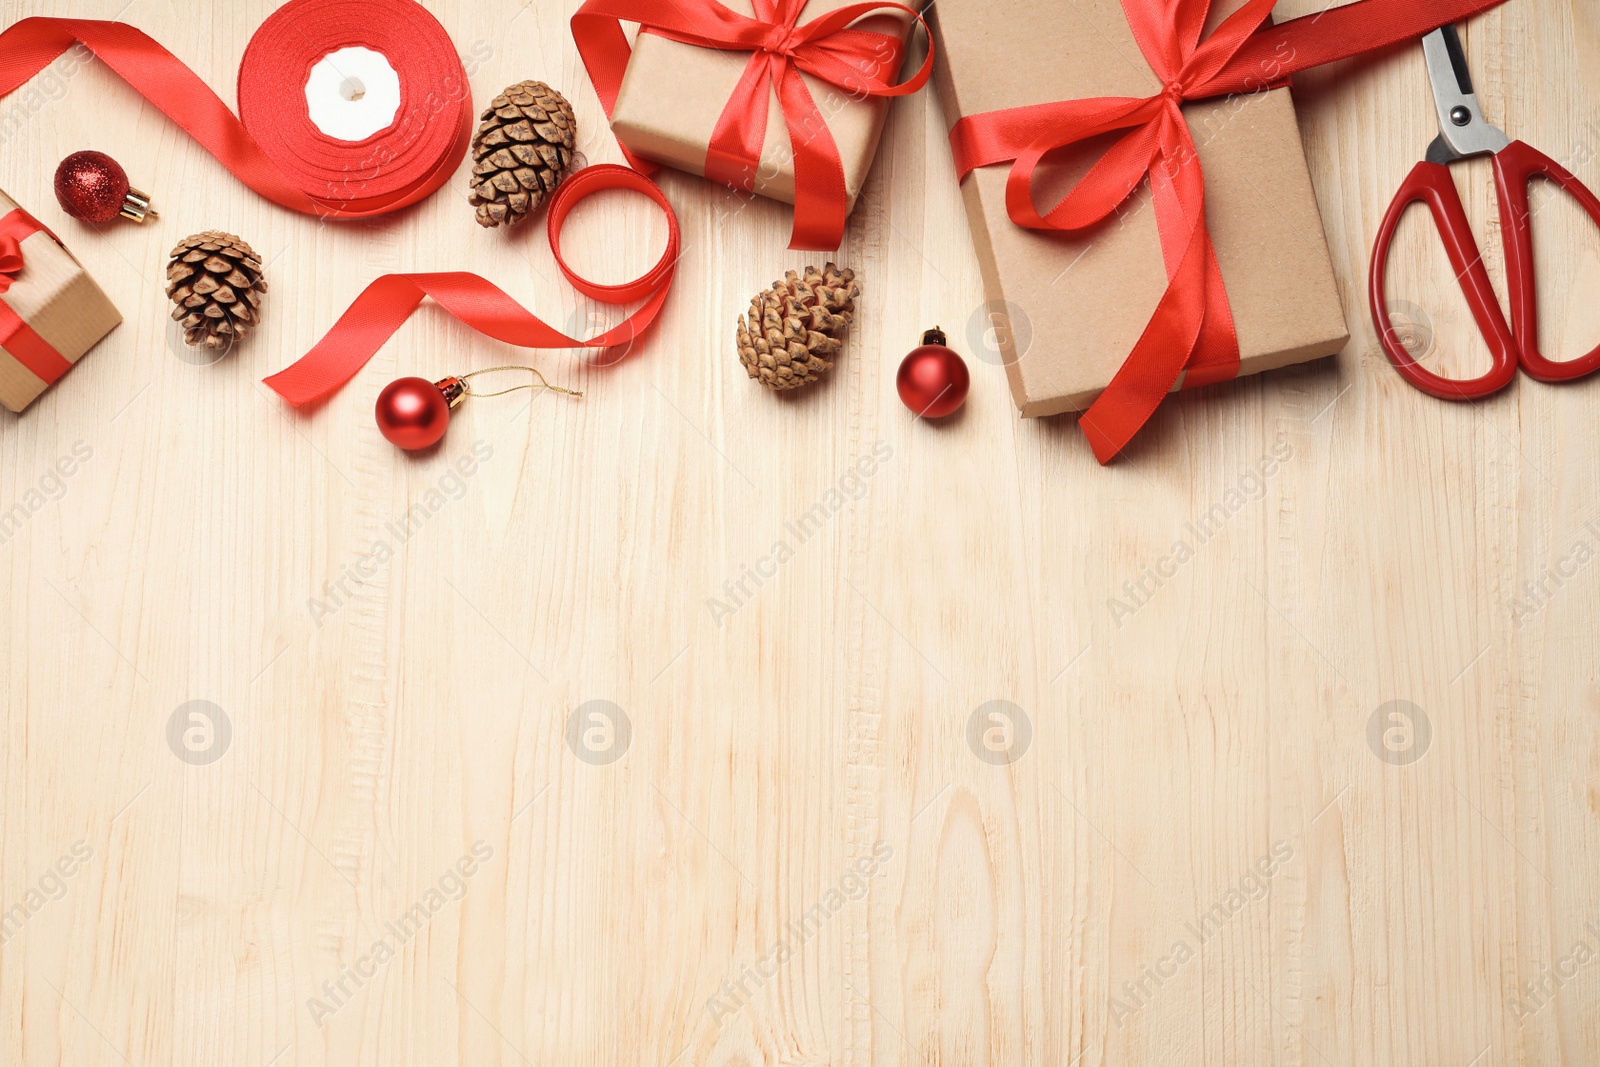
x: 933, y: 381
x: 413, y: 413
x: 91, y: 186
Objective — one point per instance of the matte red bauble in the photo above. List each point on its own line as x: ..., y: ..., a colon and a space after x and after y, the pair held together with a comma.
x: 414, y: 413
x: 93, y: 187
x: 933, y: 381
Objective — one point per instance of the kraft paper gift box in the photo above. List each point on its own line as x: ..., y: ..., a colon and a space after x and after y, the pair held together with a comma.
x: 673, y: 94
x: 53, y: 313
x: 1081, y: 302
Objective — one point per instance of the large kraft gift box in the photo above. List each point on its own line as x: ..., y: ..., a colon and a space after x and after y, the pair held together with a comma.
x: 673, y: 94
x: 58, y: 305
x: 1087, y: 299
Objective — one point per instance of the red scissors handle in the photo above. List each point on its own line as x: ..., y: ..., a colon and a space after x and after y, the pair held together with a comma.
x: 1514, y: 169
x: 1431, y: 183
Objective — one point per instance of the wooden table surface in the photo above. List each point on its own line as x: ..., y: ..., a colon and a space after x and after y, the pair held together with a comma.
x: 794, y: 830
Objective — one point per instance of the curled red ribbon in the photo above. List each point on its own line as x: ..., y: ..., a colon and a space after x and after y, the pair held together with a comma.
x: 16, y: 336
x: 273, y: 146
x: 385, y: 305
x: 1192, y: 330
x: 859, y: 62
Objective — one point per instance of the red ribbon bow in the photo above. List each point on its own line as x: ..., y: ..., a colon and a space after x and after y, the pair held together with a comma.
x: 1192, y: 331
x: 861, y: 63
x: 12, y: 232
x: 16, y: 336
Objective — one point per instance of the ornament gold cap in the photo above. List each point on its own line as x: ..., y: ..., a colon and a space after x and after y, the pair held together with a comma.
x: 454, y: 390
x: 935, y: 336
x: 136, y: 206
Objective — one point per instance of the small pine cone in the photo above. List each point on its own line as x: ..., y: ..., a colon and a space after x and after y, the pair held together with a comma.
x: 791, y: 329
x: 521, y: 152
x: 215, y: 282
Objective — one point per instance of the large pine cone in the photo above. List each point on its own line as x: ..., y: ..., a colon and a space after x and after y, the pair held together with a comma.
x: 521, y: 152
x: 215, y: 280
x: 791, y: 329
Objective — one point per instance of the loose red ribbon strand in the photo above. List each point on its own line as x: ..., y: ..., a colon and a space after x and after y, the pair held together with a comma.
x: 1191, y: 332
x: 387, y: 303
x: 861, y: 63
x: 305, y: 170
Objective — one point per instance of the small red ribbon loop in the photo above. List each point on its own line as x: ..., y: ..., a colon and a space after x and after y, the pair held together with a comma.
x: 862, y: 63
x: 10, y: 262
x: 1191, y: 333
x: 17, y: 226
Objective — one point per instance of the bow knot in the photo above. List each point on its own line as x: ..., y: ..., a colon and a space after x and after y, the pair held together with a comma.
x: 10, y: 262
x: 781, y: 40
x: 15, y: 227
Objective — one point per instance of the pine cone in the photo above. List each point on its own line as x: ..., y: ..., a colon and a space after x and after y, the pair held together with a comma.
x: 791, y: 329
x: 216, y: 283
x: 521, y: 152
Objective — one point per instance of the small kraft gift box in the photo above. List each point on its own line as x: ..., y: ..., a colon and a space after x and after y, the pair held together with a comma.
x: 785, y: 99
x: 51, y: 312
x: 1067, y: 309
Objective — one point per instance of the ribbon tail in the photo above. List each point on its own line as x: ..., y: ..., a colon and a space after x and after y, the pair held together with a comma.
x: 380, y: 310
x: 1216, y: 353
x: 820, y: 198
x: 734, y: 153
x: 1152, y: 369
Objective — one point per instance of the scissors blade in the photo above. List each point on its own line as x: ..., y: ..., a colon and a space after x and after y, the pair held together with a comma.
x: 1463, y: 132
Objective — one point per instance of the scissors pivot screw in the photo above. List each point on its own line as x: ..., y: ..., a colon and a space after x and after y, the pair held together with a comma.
x: 1460, y: 116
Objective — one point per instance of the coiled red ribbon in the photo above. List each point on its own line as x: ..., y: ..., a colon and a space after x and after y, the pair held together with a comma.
x: 861, y: 63
x: 16, y: 336
x: 1192, y: 329
x: 272, y: 146
x: 387, y: 303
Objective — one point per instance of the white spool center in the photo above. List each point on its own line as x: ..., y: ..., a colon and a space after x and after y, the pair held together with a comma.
x: 353, y: 93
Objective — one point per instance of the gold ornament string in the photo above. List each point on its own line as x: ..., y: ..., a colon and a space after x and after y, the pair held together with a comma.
x: 542, y: 383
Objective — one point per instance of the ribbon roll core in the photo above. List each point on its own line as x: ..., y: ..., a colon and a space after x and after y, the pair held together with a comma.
x: 313, y: 92
x: 353, y: 93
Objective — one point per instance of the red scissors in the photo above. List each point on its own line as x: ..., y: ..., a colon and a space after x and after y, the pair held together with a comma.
x: 1463, y: 134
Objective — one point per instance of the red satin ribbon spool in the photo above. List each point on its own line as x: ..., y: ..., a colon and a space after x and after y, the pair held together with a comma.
x: 385, y: 305
x: 273, y: 147
x: 414, y: 156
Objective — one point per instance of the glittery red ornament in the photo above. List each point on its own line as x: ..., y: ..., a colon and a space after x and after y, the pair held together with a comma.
x: 933, y: 381
x: 414, y: 413
x: 93, y: 187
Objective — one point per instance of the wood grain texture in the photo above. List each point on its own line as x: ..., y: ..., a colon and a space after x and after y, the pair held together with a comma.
x: 800, y: 858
